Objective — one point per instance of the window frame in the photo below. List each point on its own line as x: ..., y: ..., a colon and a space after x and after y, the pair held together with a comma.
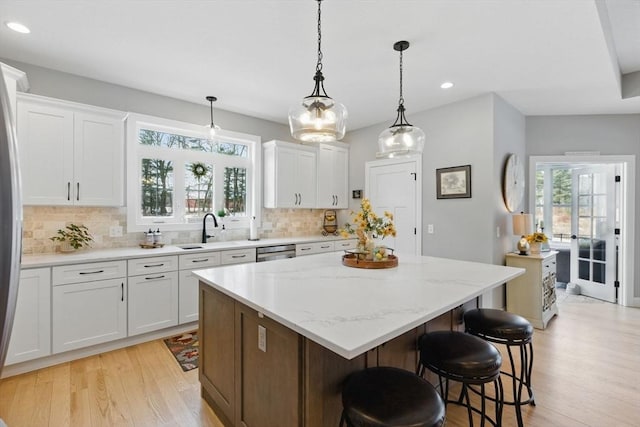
x: 136, y: 152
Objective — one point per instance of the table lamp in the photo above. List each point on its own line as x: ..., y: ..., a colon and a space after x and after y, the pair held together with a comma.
x: 522, y: 225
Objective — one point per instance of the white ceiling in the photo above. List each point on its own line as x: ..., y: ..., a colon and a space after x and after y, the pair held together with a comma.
x: 545, y: 57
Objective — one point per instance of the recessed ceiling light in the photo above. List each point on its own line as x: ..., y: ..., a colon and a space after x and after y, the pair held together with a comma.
x: 446, y: 85
x: 18, y: 27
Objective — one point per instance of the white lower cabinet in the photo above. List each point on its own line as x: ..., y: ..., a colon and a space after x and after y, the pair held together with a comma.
x: 31, y: 333
x: 153, y: 297
x: 89, y: 313
x: 341, y: 245
x: 188, y: 283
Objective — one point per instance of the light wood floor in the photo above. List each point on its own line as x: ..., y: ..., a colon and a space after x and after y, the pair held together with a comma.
x: 586, y: 373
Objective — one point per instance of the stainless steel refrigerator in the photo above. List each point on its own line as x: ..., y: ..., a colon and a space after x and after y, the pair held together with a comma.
x: 10, y: 220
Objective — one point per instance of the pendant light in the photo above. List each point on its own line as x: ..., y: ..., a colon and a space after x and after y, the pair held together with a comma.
x: 318, y: 118
x: 213, y: 128
x: 400, y: 138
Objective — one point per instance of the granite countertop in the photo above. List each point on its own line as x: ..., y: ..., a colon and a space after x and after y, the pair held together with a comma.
x: 96, y: 255
x: 352, y: 310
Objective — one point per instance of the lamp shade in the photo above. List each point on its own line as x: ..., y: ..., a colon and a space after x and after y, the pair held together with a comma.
x: 318, y: 119
x: 403, y: 139
x: 522, y: 224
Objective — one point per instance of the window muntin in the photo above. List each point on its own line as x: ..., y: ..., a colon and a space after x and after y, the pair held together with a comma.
x: 553, y: 202
x: 180, y: 175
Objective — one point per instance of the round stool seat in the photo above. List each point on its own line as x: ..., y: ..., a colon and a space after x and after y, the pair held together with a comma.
x: 385, y: 397
x: 498, y: 324
x: 456, y: 354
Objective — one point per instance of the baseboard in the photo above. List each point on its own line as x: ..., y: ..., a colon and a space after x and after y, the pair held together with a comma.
x: 68, y: 356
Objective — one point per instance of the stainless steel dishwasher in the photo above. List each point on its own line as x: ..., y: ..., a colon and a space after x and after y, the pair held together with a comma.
x: 272, y: 253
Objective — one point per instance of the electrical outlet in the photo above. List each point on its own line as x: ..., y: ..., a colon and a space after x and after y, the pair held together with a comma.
x: 430, y: 228
x: 262, y: 338
x: 115, y: 231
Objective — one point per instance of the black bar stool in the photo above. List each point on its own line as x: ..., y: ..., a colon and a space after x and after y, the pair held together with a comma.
x: 466, y: 359
x: 506, y: 328
x: 390, y: 397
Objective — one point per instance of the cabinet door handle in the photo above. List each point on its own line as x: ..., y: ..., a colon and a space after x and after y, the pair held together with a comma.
x: 154, y: 265
x: 154, y: 277
x: 68, y: 191
x: 238, y: 256
x: 92, y: 272
x: 325, y: 247
x: 122, y: 291
x: 305, y: 249
x: 200, y: 260
x: 300, y: 194
x: 78, y: 191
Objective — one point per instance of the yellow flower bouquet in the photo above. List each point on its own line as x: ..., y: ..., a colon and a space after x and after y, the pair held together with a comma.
x: 537, y: 238
x: 367, y: 225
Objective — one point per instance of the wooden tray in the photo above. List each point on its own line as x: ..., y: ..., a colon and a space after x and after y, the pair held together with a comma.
x: 352, y: 260
x: 151, y: 245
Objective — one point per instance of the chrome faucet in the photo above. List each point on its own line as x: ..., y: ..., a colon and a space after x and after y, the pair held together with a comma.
x: 205, y: 236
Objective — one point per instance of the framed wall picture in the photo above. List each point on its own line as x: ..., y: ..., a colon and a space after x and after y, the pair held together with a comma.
x: 453, y: 183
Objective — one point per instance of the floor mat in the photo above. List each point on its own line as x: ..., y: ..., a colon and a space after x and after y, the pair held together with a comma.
x: 185, y: 349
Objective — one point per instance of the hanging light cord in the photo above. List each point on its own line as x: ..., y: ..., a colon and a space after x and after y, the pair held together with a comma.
x: 319, y: 64
x: 211, y: 102
x: 401, y: 100
x: 318, y: 89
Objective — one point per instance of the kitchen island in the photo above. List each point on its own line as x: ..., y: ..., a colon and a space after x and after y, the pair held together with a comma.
x: 278, y: 339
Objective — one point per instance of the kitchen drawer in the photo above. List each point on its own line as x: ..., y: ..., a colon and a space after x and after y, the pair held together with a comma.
x: 152, y: 265
x: 341, y: 245
x: 238, y: 256
x: 314, y: 248
x: 199, y: 260
x: 548, y: 266
x: 78, y: 273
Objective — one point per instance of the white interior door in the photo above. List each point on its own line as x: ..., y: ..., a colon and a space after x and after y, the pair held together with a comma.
x: 394, y: 186
x: 593, y: 241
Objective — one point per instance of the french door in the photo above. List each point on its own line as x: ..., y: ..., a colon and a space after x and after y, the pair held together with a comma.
x: 593, y: 239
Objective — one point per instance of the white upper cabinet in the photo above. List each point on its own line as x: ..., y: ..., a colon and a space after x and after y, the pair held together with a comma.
x: 70, y: 154
x: 289, y: 175
x: 333, y: 164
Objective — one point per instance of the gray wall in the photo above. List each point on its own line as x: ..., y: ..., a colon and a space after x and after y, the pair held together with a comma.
x: 608, y: 134
x: 56, y: 84
x: 480, y: 131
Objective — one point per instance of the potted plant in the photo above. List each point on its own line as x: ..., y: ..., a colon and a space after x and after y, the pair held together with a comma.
x: 73, y: 237
x: 535, y: 241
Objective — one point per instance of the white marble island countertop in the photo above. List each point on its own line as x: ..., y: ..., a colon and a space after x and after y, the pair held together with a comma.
x: 352, y: 310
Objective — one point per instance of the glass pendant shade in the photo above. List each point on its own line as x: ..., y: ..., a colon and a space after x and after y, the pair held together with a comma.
x: 213, y: 128
x: 401, y: 138
x: 318, y: 119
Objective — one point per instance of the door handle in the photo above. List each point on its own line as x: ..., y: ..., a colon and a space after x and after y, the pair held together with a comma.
x: 122, y: 291
x: 68, y: 191
x: 574, y: 237
x: 78, y: 191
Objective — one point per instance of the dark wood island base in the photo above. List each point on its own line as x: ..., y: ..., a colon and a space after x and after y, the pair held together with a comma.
x: 295, y: 382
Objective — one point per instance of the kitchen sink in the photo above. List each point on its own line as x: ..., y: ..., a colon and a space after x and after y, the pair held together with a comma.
x: 187, y: 247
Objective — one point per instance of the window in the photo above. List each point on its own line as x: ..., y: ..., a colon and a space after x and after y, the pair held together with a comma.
x: 553, y: 202
x: 175, y: 175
